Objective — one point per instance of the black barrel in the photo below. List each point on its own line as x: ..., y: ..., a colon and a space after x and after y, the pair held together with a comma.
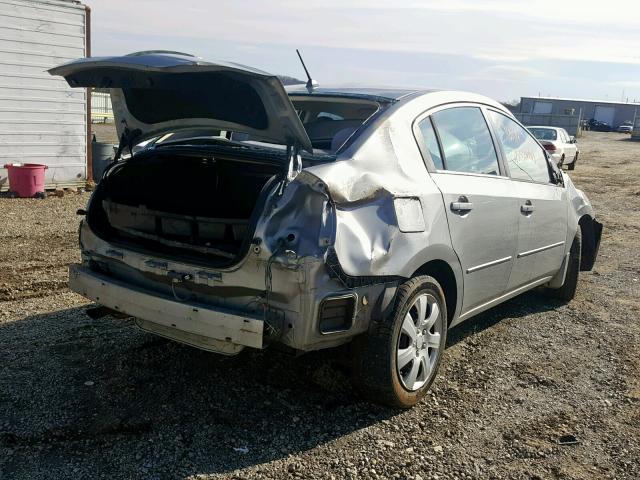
x: 103, y: 154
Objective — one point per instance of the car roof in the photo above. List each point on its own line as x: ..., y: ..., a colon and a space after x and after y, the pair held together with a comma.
x: 389, y: 94
x: 396, y: 95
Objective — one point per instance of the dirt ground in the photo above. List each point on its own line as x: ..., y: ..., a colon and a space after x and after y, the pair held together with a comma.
x: 105, y: 132
x: 100, y: 399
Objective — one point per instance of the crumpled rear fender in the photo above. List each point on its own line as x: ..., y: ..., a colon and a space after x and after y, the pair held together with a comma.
x: 300, y: 219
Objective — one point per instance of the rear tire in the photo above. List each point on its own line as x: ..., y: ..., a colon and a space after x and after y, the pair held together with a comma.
x: 397, y: 361
x: 568, y: 290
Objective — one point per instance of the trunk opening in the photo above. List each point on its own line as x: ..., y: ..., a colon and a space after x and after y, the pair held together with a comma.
x: 201, y: 207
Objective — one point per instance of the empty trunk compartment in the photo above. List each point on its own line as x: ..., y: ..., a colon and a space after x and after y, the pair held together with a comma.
x: 204, y: 207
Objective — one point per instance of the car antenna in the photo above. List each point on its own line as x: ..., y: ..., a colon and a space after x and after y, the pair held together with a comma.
x: 311, y: 83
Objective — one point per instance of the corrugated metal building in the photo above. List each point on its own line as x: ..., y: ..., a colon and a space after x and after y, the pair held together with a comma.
x: 613, y: 113
x: 42, y: 119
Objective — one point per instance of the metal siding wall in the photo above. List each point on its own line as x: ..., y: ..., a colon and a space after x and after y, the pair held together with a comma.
x: 42, y: 119
x: 568, y: 122
x: 623, y: 111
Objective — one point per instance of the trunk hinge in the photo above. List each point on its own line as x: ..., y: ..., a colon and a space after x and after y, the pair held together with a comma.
x: 126, y: 140
x: 294, y: 166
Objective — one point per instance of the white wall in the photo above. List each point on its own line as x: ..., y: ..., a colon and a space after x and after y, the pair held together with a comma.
x: 42, y: 120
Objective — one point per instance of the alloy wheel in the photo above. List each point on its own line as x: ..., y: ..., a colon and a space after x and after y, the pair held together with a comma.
x: 419, y: 342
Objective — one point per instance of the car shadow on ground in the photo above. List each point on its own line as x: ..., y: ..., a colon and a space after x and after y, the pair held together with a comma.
x: 531, y: 302
x: 108, y: 397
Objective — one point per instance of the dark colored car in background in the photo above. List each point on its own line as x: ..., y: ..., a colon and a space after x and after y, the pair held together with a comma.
x: 598, y: 126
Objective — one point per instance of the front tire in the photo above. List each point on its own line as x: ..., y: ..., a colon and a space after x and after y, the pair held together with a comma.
x: 568, y: 290
x: 397, y: 361
x: 572, y: 165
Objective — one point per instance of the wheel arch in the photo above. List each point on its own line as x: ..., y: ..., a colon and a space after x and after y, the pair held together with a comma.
x: 445, y: 275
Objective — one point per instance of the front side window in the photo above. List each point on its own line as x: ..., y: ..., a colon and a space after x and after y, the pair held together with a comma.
x: 466, y: 141
x: 525, y: 158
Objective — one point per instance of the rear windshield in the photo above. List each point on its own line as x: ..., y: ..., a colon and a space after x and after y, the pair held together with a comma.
x: 544, y: 133
x: 330, y: 122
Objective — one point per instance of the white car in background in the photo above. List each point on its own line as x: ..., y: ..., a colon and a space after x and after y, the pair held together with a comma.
x: 561, y: 146
x: 626, y: 127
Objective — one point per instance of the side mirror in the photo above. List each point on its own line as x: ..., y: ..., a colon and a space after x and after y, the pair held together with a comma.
x: 556, y: 173
x: 572, y: 139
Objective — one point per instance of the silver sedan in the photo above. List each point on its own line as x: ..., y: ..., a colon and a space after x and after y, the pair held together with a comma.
x: 317, y: 217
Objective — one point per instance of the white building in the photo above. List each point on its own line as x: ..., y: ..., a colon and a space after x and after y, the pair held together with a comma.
x: 42, y: 119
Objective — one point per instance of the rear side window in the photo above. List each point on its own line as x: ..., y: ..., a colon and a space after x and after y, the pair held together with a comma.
x: 525, y: 158
x: 466, y: 142
x: 431, y: 142
x: 561, y: 136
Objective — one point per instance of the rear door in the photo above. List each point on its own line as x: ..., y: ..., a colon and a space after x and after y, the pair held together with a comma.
x: 542, y: 205
x: 481, y: 208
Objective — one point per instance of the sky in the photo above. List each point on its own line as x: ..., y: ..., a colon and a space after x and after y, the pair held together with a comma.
x: 501, y: 48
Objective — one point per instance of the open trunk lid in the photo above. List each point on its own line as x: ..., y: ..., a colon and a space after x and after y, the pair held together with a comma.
x: 158, y: 92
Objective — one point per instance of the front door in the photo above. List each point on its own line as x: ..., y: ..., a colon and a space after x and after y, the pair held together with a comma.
x: 542, y: 233
x: 542, y: 205
x: 480, y: 205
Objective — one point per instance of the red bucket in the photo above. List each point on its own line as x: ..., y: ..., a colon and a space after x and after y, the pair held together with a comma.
x: 26, y: 179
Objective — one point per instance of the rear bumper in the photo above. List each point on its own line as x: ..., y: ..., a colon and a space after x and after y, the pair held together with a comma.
x: 202, y: 326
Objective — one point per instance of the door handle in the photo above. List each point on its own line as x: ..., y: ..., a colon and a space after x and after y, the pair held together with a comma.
x: 527, y: 207
x: 462, y: 205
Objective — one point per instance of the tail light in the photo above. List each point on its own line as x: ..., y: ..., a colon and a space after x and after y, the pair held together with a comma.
x: 549, y: 147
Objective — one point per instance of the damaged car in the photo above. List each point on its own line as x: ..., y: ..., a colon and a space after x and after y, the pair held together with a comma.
x: 242, y: 214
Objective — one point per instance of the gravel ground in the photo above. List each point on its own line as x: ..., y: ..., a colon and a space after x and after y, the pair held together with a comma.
x: 100, y: 399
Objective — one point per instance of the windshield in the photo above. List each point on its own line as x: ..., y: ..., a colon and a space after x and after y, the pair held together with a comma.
x: 544, y: 133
